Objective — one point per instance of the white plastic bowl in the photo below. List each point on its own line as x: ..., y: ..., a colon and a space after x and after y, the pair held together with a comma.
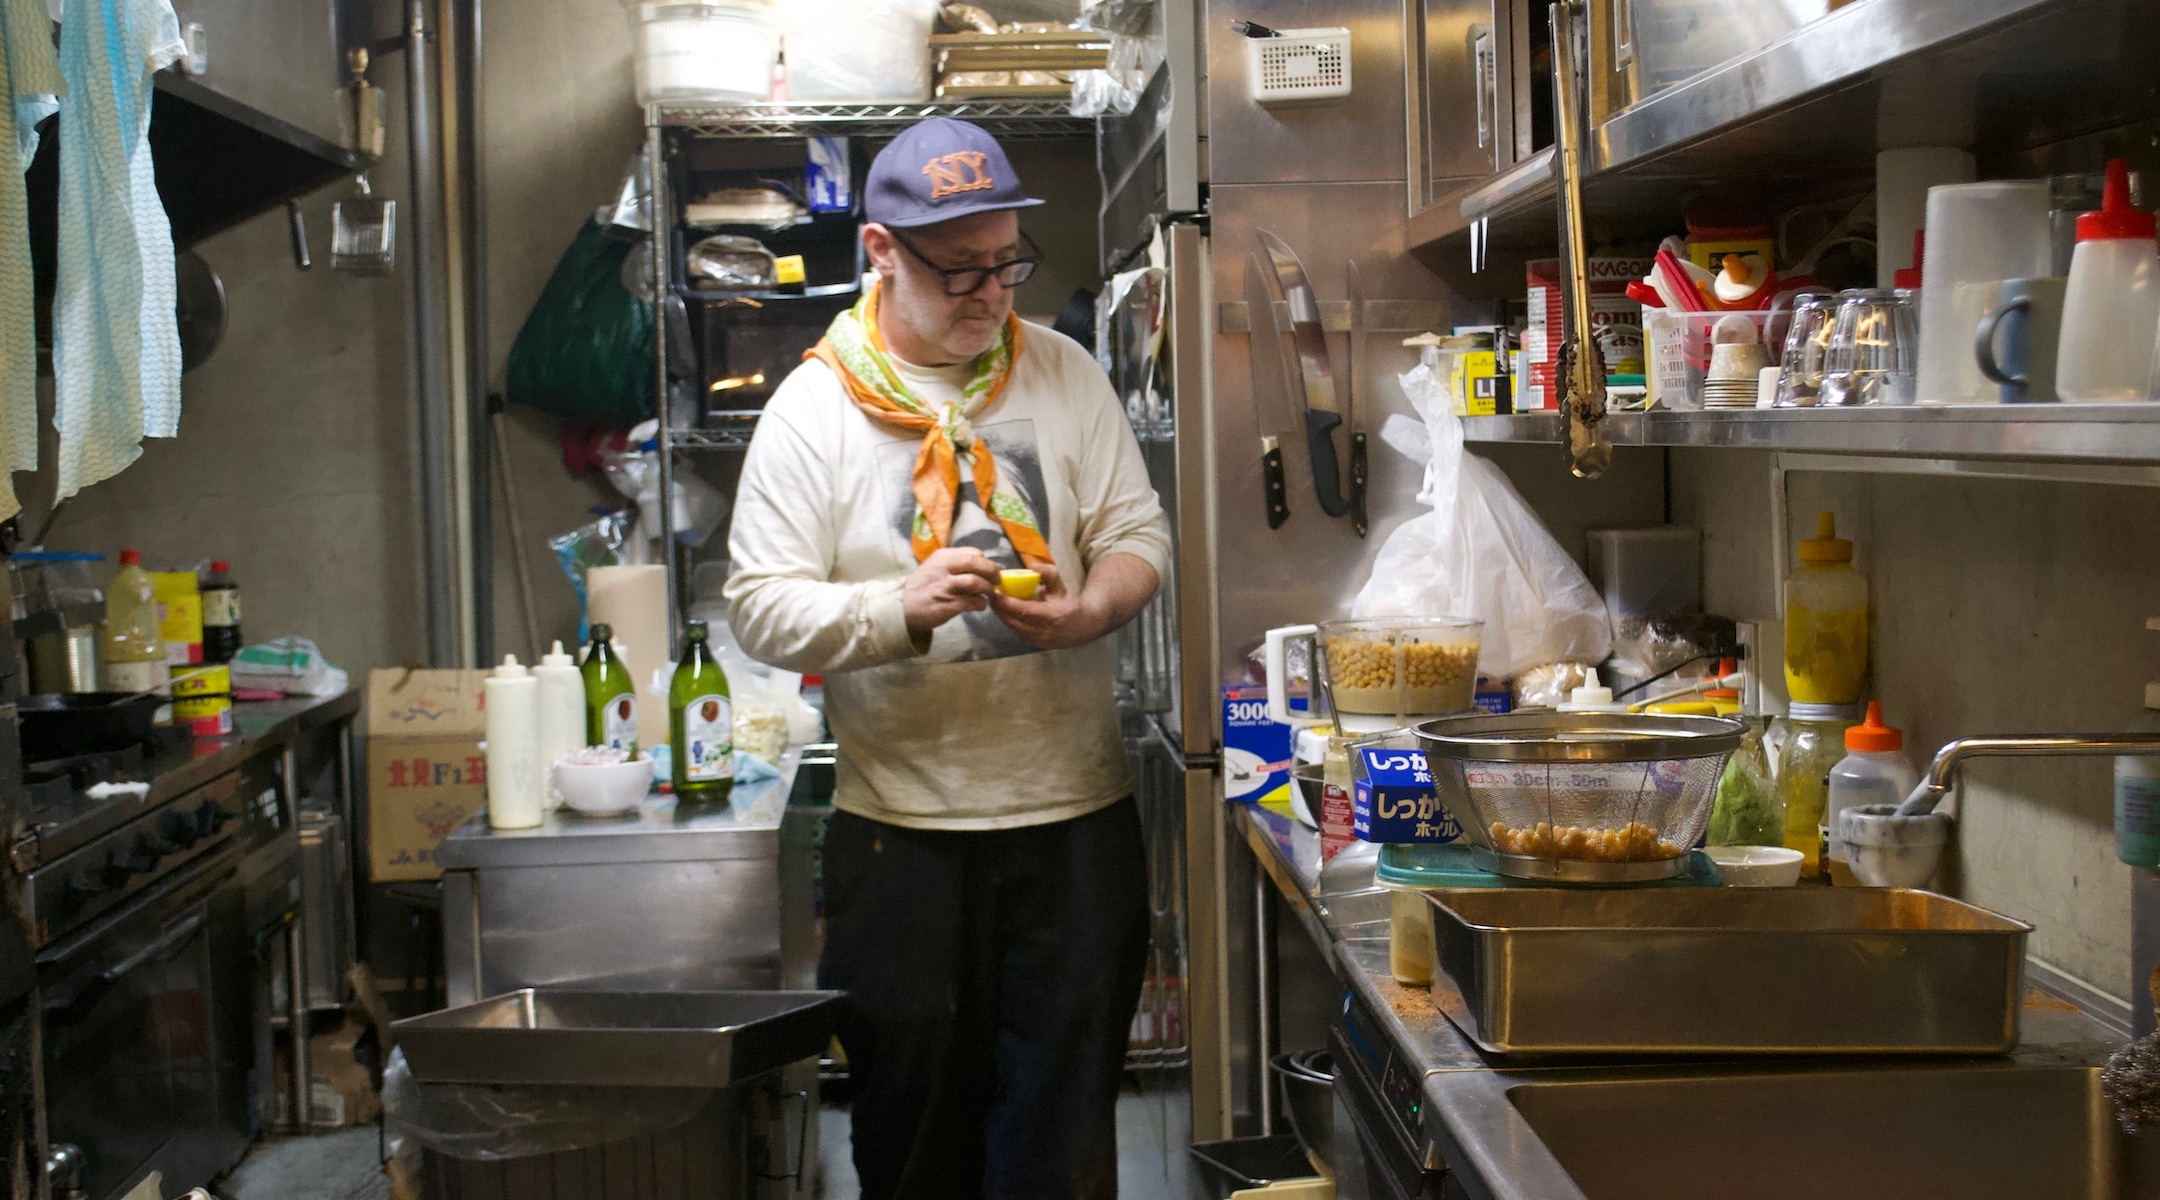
x: 604, y: 791
x: 1756, y: 866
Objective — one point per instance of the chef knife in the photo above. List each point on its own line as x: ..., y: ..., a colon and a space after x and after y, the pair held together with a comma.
x: 1315, y: 374
x: 1352, y: 377
x: 1271, y: 413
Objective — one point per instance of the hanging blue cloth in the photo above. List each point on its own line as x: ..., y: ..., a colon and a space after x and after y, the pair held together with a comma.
x: 29, y: 77
x: 116, y: 333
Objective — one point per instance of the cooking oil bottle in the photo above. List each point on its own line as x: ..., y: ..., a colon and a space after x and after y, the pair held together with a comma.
x: 701, y: 724
x: 134, y: 643
x: 610, y: 696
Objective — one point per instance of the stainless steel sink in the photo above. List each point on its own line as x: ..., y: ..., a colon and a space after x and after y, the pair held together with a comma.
x: 2028, y: 1127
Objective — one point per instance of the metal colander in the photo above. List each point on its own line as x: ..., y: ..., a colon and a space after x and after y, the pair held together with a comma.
x: 1588, y: 797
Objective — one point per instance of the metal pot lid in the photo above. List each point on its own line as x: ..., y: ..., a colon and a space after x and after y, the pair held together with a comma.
x: 1579, y: 737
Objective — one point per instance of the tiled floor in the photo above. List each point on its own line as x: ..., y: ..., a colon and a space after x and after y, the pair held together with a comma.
x: 345, y: 1166
x: 333, y: 1166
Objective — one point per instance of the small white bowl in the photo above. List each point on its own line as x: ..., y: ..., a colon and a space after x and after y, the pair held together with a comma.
x: 1756, y: 866
x: 604, y: 791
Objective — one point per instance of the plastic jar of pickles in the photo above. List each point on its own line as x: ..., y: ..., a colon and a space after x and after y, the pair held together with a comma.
x: 1813, y: 742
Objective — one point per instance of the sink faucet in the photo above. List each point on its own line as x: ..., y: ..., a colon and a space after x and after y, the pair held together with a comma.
x: 1942, y: 773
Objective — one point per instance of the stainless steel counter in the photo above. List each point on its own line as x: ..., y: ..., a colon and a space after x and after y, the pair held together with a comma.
x: 665, y: 897
x: 1472, y: 1118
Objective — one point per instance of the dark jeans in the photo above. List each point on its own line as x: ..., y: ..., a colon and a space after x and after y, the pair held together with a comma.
x: 991, y: 980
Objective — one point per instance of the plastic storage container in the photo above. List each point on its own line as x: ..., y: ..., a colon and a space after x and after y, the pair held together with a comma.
x: 1653, y: 572
x: 858, y: 51
x: 1813, y: 743
x: 1977, y: 234
x: 717, y: 53
x: 2112, y: 307
x: 1826, y: 621
x: 1408, y: 871
x: 1873, y: 771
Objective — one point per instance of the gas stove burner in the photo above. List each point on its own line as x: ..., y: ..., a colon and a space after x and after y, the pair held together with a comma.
x: 58, y: 780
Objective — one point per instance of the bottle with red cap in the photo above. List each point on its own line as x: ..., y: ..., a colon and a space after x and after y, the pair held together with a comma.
x: 2112, y: 306
x: 1873, y: 771
x: 220, y: 614
x: 134, y: 645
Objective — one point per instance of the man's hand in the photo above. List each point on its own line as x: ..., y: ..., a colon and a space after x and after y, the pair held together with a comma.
x: 1117, y: 587
x: 1055, y: 619
x: 954, y: 580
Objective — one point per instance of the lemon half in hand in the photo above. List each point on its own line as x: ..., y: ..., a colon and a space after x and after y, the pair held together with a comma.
x: 1020, y: 585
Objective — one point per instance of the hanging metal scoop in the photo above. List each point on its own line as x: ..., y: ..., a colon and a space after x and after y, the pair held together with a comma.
x: 1580, y: 368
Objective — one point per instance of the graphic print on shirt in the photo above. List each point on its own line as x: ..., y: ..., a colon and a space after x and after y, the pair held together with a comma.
x: 982, y: 635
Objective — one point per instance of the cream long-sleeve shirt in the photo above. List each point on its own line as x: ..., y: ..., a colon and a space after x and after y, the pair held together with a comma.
x: 979, y: 731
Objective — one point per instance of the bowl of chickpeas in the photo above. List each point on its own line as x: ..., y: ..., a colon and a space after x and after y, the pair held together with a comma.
x: 1581, y: 797
x: 1399, y: 666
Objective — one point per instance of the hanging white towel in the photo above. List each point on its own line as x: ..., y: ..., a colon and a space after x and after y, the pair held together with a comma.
x: 116, y: 333
x: 29, y: 77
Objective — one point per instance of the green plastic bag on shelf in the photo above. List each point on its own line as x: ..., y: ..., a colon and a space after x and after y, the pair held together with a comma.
x: 586, y: 349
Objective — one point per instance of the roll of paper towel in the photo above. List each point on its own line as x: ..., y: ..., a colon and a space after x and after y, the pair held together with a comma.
x: 634, y: 601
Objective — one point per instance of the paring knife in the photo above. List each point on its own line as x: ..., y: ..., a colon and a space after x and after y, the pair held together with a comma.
x: 1316, y: 376
x: 1271, y: 412
x: 1352, y: 377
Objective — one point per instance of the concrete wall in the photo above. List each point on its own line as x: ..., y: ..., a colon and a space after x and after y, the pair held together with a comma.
x: 1999, y: 607
x: 295, y: 454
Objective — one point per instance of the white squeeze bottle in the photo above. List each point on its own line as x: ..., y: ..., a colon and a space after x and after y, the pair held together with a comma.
x: 1873, y: 771
x: 561, y: 700
x: 513, y: 746
x: 2113, y: 303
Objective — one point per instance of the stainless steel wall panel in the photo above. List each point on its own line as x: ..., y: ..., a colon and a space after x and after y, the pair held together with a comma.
x: 1355, y: 138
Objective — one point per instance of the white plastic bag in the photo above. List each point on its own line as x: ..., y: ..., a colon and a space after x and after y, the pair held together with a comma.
x: 1481, y: 552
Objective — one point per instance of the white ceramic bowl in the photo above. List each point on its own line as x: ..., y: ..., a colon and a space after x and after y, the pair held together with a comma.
x: 1756, y: 866
x: 604, y: 791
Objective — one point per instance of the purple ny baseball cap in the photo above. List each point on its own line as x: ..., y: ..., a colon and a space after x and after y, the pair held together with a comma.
x: 937, y: 170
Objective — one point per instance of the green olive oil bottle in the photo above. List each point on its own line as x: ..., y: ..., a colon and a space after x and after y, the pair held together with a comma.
x: 610, y: 696
x: 701, y: 724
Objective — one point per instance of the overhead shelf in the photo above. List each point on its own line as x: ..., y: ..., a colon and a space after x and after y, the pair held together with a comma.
x: 1801, y: 118
x: 1010, y: 120
x: 2076, y: 433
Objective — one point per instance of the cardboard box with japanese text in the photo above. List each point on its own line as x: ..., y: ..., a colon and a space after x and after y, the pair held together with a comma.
x: 1393, y: 800
x: 426, y: 772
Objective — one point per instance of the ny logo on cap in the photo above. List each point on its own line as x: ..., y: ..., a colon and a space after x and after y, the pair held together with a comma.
x: 960, y: 171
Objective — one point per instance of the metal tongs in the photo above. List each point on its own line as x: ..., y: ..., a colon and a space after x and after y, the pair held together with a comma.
x: 1581, y: 368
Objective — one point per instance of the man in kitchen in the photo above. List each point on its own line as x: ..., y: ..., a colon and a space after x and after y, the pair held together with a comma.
x: 985, y: 885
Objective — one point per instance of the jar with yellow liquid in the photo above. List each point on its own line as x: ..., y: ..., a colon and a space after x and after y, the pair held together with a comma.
x: 1826, y: 621
x: 1813, y: 743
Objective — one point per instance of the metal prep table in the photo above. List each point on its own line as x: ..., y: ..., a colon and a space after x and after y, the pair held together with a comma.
x: 664, y: 899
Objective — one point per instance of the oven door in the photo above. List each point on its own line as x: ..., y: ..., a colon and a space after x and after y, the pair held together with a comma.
x: 144, y: 1067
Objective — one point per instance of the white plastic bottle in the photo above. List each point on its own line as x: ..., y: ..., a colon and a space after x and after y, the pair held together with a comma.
x: 1873, y: 771
x: 513, y: 746
x: 1593, y: 696
x: 561, y: 700
x: 2112, y: 307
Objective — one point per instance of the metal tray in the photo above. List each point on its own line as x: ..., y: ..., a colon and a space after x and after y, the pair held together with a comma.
x: 1727, y: 971
x: 652, y: 1039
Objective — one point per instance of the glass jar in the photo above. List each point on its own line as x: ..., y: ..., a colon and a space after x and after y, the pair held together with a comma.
x: 1826, y: 621
x: 1813, y: 743
x: 1748, y: 810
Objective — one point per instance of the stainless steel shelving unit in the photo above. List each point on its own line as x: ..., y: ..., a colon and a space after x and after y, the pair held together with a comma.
x: 1823, y: 99
x: 2120, y: 434
x: 1010, y: 120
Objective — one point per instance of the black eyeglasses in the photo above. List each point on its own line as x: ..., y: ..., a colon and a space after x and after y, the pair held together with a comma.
x: 966, y: 281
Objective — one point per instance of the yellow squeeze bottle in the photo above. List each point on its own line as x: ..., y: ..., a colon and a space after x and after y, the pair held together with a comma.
x: 1826, y: 621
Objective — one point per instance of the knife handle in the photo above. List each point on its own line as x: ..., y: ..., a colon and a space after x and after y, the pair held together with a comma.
x: 1357, y: 483
x: 1326, y: 475
x: 1278, y: 491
